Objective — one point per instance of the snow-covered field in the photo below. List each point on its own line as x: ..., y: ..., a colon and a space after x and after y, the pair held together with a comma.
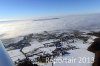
x: 77, y: 57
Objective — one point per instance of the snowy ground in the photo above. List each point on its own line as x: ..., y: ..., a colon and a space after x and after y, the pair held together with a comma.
x: 77, y: 57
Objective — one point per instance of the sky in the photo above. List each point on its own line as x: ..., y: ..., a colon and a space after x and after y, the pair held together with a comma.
x: 26, y: 9
x: 34, y: 8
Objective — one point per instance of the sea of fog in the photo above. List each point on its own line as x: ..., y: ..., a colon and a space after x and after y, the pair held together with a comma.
x: 14, y: 28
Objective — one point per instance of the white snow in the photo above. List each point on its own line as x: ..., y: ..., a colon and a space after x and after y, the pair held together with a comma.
x: 81, y: 56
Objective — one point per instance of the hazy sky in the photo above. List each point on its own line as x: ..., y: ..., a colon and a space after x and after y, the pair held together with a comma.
x: 34, y: 8
x: 23, y: 9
